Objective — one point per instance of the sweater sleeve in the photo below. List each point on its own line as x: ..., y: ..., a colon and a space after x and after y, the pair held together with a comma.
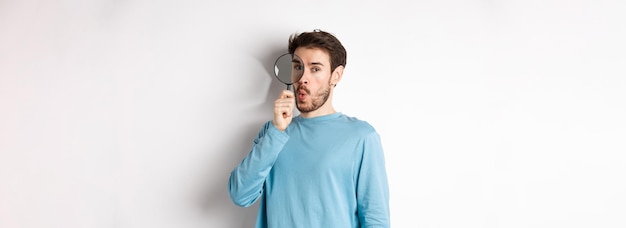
x: 246, y: 181
x: 372, y: 186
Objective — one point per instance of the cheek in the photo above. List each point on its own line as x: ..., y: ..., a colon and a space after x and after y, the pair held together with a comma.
x: 323, y: 79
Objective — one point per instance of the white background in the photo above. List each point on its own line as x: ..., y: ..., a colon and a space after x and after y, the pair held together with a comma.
x: 133, y: 113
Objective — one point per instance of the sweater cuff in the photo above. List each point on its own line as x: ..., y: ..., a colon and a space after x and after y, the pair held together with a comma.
x: 277, y: 134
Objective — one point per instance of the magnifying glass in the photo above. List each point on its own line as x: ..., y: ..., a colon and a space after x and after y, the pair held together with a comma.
x: 288, y: 69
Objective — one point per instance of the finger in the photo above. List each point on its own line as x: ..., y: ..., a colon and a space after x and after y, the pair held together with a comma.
x: 283, y: 106
x: 286, y: 114
x: 286, y: 94
x: 283, y: 103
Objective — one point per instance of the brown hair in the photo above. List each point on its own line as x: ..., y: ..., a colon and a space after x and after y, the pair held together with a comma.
x: 323, y: 40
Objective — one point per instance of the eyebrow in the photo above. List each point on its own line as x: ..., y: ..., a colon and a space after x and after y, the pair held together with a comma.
x: 317, y: 63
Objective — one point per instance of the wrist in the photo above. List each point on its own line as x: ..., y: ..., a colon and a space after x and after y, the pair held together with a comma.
x: 281, y: 129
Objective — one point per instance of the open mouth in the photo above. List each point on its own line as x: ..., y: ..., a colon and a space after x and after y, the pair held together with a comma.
x: 302, y: 94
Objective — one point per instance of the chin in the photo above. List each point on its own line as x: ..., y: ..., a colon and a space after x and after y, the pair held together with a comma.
x: 306, y: 109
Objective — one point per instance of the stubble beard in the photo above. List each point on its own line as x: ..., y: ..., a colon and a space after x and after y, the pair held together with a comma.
x: 317, y: 100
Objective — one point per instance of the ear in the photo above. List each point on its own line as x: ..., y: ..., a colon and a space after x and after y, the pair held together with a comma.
x: 336, y: 75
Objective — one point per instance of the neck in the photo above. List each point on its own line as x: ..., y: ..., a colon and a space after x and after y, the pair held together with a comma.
x: 322, y: 111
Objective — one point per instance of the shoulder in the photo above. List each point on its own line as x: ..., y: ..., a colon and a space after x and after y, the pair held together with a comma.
x: 358, y: 125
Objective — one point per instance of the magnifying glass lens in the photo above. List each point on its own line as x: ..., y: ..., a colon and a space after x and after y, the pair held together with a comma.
x: 297, y: 69
x: 288, y: 69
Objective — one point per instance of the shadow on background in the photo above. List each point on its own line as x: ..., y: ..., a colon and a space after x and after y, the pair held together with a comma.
x: 214, y: 196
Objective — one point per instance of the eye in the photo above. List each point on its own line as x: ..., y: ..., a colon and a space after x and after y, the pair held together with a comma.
x: 315, y: 69
x: 297, y: 67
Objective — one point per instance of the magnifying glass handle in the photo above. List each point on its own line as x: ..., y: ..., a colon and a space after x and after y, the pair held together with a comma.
x: 289, y: 87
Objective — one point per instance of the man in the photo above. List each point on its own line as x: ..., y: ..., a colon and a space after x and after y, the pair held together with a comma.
x: 321, y: 168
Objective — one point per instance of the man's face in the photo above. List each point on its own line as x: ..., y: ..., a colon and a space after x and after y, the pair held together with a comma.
x: 313, y: 89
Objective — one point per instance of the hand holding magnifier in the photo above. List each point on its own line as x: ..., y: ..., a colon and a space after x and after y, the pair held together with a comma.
x: 288, y: 69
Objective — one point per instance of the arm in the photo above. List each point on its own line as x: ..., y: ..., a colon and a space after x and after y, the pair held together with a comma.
x: 372, y: 187
x: 246, y: 181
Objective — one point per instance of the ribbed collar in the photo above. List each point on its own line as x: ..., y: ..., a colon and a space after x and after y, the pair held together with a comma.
x: 319, y: 118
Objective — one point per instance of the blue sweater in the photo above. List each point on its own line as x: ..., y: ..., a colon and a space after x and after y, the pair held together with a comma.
x: 326, y: 172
